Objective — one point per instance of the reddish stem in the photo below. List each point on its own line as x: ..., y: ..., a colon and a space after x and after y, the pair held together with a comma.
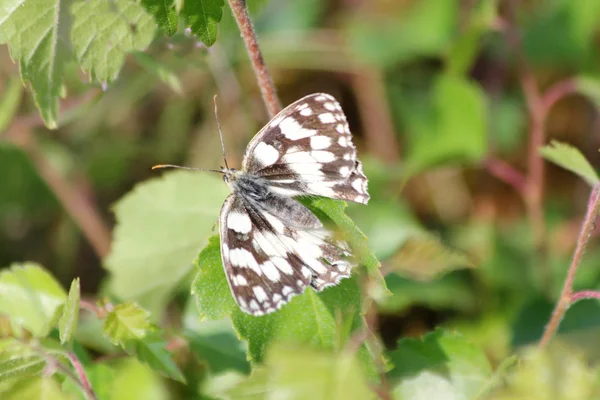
x: 506, y: 173
x: 85, y: 383
x: 566, y: 296
x: 584, y: 294
x: 267, y: 88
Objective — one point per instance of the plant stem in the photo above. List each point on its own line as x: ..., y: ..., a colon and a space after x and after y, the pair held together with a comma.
x: 506, y: 173
x: 584, y: 294
x: 566, y: 296
x: 85, y: 383
x: 267, y: 88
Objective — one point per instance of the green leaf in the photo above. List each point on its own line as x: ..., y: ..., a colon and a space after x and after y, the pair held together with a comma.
x: 570, y: 158
x: 9, y: 104
x: 202, y: 17
x: 216, y: 343
x: 303, y: 373
x: 19, y: 360
x: 126, y: 322
x: 35, y: 31
x: 210, y: 288
x: 425, y: 257
x: 456, y: 130
x: 127, y: 325
x: 161, y: 225
x: 160, y: 70
x: 31, y: 297
x: 152, y: 350
x: 104, y: 32
x: 43, y: 388
x: 322, y: 320
x: 164, y: 14
x: 441, y: 365
x: 67, y: 324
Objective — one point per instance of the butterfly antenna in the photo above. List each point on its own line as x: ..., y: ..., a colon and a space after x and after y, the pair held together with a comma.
x: 220, y: 132
x: 190, y: 168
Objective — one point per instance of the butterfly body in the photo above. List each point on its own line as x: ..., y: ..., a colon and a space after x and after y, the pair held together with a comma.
x: 272, y: 246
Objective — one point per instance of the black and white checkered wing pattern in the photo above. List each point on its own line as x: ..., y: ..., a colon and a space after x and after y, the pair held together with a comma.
x: 307, y: 149
x: 267, y: 262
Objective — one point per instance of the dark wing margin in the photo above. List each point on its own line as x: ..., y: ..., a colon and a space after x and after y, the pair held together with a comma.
x: 307, y: 149
x: 267, y: 263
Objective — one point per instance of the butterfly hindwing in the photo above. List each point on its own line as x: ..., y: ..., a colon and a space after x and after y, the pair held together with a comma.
x: 307, y: 149
x: 268, y: 260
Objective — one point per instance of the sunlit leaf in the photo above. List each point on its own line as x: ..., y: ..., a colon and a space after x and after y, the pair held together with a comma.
x: 128, y: 326
x: 571, y: 159
x: 67, y: 324
x: 35, y: 31
x: 161, y: 226
x: 440, y: 365
x: 31, y: 297
x: 21, y: 360
x: 104, y: 31
x: 125, y: 322
x: 210, y: 288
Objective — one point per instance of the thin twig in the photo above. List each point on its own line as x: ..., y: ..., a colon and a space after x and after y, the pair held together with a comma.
x: 566, y: 296
x: 506, y: 173
x: 267, y: 88
x: 74, y: 202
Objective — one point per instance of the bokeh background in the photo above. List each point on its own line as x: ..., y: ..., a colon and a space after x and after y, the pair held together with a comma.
x: 448, y: 102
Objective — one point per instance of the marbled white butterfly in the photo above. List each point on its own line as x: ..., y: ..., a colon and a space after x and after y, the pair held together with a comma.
x: 273, y: 247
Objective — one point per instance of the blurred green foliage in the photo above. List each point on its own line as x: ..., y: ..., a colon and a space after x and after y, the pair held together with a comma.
x: 455, y: 285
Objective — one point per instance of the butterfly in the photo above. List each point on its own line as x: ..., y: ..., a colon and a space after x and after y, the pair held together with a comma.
x: 272, y: 246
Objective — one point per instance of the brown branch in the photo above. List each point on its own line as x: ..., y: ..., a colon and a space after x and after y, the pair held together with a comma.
x: 506, y: 173
x: 566, y: 296
x: 584, y: 294
x: 267, y: 88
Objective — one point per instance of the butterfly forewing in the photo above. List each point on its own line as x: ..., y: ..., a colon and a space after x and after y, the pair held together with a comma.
x: 307, y: 149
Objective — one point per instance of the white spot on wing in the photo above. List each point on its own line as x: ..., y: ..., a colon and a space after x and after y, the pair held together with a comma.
x: 241, y: 280
x: 283, y: 265
x: 293, y: 130
x: 330, y: 106
x: 244, y: 259
x: 344, y: 171
x: 339, y: 128
x: 327, y: 118
x: 275, y: 222
x: 265, y: 154
x: 357, y: 184
x: 270, y: 271
x: 320, y: 142
x: 286, y: 290
x: 260, y: 294
x: 307, y: 112
x: 239, y: 222
x: 323, y: 156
